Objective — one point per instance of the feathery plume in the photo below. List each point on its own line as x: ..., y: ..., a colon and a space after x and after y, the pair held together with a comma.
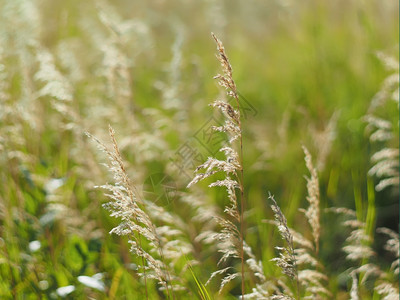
x: 388, y: 291
x: 354, y: 287
x: 385, y: 129
x: 230, y: 237
x: 310, y: 270
x: 313, y: 212
x: 286, y: 260
x: 126, y: 204
x: 392, y: 245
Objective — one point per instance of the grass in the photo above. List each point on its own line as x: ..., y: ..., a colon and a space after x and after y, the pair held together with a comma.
x: 319, y: 75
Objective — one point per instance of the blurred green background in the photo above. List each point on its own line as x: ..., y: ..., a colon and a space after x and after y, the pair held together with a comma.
x: 308, y: 71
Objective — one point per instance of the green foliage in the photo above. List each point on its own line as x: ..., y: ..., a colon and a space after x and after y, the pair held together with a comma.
x: 310, y: 72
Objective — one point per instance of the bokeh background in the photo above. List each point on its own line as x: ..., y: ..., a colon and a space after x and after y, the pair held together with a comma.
x: 309, y: 73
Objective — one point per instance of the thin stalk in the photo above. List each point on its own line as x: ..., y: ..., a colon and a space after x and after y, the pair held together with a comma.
x: 144, y: 270
x: 160, y: 252
x: 139, y: 239
x: 166, y: 270
x: 13, y: 279
x: 297, y: 282
x: 227, y: 82
x: 291, y: 247
x: 242, y: 206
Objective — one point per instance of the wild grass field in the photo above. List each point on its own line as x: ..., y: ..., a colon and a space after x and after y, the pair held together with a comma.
x: 207, y: 149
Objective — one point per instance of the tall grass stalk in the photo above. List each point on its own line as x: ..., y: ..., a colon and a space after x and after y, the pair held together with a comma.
x: 230, y: 236
x: 227, y: 81
x: 67, y: 67
x: 127, y: 204
x: 120, y: 174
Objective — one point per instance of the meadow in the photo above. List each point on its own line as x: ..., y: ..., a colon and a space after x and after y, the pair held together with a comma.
x: 199, y: 149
